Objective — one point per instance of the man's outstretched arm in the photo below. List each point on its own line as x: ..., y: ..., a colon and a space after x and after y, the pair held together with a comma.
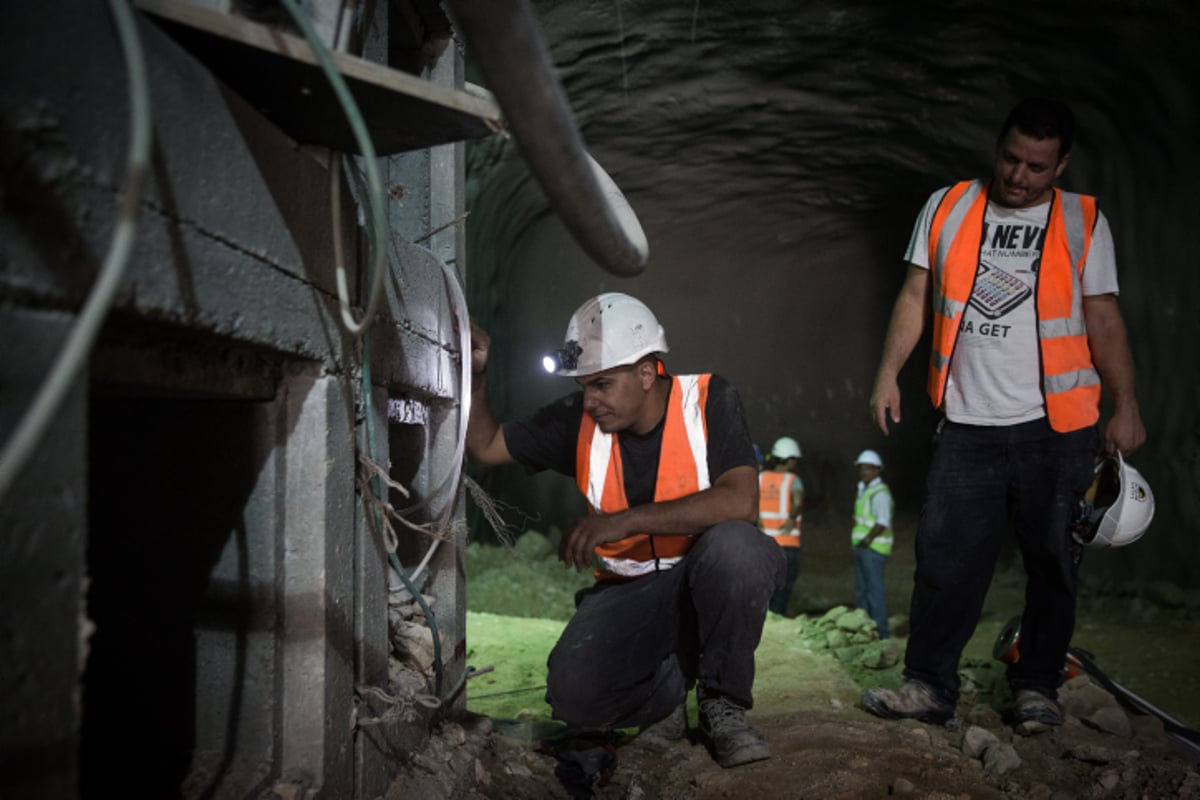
x: 485, y: 437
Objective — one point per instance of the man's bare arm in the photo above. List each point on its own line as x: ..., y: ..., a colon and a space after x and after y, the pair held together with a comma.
x: 733, y: 496
x: 909, y: 316
x: 1109, y: 344
x: 485, y: 437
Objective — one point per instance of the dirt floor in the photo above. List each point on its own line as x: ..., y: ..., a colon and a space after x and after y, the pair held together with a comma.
x: 807, y: 691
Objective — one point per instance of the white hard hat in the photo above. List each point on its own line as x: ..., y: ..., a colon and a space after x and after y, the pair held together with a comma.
x: 869, y: 457
x: 609, y: 330
x: 785, y: 447
x: 1117, y: 507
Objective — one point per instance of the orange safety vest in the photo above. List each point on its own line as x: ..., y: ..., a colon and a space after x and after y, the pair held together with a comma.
x: 682, y: 471
x: 775, y: 506
x: 1070, y: 382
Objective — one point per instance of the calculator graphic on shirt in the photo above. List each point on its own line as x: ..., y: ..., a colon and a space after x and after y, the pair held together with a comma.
x: 996, y: 292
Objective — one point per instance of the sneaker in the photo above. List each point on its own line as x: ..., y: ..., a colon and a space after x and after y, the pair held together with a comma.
x: 913, y: 700
x: 733, y: 741
x: 668, y: 730
x: 1034, y: 707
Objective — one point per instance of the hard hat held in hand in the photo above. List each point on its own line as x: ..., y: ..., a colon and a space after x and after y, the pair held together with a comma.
x: 869, y: 457
x: 1117, y: 507
x: 785, y: 447
x: 609, y: 330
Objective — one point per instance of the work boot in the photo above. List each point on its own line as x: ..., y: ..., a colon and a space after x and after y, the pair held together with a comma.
x: 1034, y: 708
x: 913, y: 700
x: 733, y: 741
x: 668, y: 730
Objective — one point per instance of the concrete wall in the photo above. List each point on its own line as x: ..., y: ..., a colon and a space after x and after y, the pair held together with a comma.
x: 188, y: 572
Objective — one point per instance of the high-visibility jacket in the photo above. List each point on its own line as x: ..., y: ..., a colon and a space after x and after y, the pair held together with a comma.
x: 682, y: 471
x: 864, y: 518
x: 775, y: 510
x: 1070, y: 382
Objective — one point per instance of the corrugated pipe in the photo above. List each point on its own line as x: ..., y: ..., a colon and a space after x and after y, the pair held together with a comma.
x: 504, y: 38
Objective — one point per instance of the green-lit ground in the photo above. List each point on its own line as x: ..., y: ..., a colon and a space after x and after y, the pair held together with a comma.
x: 520, y: 598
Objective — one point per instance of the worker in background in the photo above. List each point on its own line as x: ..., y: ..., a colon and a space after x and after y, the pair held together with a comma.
x: 1019, y: 281
x: 683, y: 576
x: 871, y: 538
x: 780, y: 500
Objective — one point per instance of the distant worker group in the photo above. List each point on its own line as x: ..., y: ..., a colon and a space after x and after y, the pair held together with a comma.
x: 781, y: 502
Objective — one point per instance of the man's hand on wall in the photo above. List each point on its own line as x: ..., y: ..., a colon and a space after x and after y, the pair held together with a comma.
x: 481, y: 343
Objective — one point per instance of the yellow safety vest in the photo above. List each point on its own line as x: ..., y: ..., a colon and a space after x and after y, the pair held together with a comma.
x: 864, y: 520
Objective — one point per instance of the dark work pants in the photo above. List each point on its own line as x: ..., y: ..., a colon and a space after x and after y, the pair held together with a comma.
x: 628, y: 655
x: 779, y: 600
x: 979, y: 479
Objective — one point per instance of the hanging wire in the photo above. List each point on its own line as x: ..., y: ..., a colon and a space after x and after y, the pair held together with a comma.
x: 376, y: 227
x: 82, y: 337
x: 446, y: 490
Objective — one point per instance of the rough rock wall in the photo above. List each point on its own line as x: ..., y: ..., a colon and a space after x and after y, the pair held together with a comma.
x: 777, y: 156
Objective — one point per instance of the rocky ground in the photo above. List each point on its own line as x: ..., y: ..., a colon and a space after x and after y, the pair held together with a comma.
x: 811, y: 671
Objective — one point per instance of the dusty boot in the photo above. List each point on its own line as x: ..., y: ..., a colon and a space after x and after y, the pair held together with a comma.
x: 733, y: 741
x: 1035, y: 711
x: 668, y: 730
x: 913, y: 700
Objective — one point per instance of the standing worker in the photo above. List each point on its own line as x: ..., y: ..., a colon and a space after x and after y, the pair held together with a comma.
x: 872, y: 538
x: 683, y: 577
x: 1020, y: 282
x: 780, y: 500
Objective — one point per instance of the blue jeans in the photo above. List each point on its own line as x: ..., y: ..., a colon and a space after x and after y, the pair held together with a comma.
x: 868, y: 586
x: 981, y: 477
x: 630, y: 653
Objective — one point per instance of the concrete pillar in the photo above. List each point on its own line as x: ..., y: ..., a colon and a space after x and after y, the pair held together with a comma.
x: 316, y: 531
x: 43, y: 523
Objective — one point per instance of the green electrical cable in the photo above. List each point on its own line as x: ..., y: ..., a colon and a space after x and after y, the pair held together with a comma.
x: 73, y: 355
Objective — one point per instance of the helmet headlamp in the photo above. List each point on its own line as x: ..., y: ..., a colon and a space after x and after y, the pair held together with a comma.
x: 564, y: 358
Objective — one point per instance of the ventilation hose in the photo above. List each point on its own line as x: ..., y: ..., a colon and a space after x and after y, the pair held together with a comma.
x: 503, y: 36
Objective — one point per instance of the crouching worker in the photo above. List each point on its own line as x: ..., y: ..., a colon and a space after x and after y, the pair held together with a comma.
x: 683, y: 577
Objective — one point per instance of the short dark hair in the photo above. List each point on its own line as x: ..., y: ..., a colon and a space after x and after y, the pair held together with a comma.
x: 1042, y: 118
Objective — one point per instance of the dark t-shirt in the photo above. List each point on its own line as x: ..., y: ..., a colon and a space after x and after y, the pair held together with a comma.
x: 548, y: 438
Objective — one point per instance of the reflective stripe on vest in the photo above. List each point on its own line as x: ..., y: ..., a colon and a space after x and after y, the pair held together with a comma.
x: 682, y: 471
x: 775, y: 506
x: 1070, y: 383
x: 864, y: 521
